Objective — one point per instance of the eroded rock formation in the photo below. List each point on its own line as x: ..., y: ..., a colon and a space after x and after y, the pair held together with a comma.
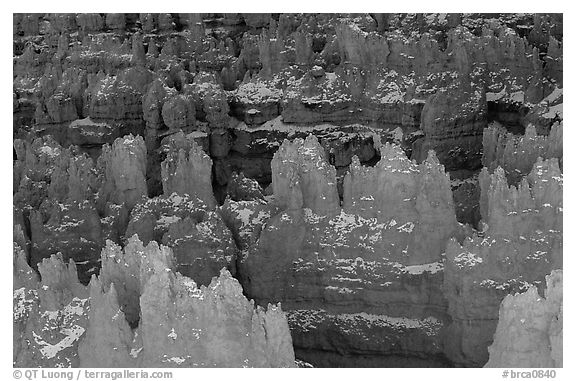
x: 60, y: 323
x: 327, y: 161
x: 517, y: 154
x: 189, y: 172
x: 369, y: 257
x: 521, y: 242
x: 302, y: 178
x: 529, y: 331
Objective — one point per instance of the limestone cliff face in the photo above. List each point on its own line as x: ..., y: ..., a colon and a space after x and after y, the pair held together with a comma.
x: 346, y: 265
x: 529, y: 331
x: 59, y: 322
x: 329, y: 68
x: 520, y: 243
x: 189, y: 172
x: 302, y: 177
x: 123, y: 171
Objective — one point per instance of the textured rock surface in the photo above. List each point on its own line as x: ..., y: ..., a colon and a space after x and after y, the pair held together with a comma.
x: 529, y: 332
x: 362, y: 273
x: 517, y: 154
x: 60, y: 323
x: 397, y: 189
x: 188, y: 172
x: 50, y: 316
x: 520, y: 243
x: 452, y: 121
x: 327, y: 161
x: 124, y: 171
x: 72, y: 229
x: 302, y: 177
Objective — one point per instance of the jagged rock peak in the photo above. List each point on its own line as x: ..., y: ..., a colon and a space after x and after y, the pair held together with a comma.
x: 189, y: 171
x: 517, y: 154
x: 529, y: 332
x: 223, y: 316
x: 153, y: 102
x: 74, y: 180
x: 130, y: 268
x: 393, y: 158
x: 540, y: 191
x: 63, y: 323
x: 23, y: 275
x: 56, y: 274
x: 394, y: 185
x: 302, y: 177
x: 179, y: 112
x: 50, y: 320
x: 107, y: 328
x: 362, y: 49
x: 123, y: 169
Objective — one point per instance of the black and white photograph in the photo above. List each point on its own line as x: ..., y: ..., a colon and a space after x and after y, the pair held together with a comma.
x: 286, y: 190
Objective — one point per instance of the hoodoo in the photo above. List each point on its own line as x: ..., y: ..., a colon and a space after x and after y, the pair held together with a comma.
x: 280, y: 190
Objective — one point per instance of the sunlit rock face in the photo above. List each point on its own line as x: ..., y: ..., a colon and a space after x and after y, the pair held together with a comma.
x: 520, y: 243
x: 530, y: 327
x: 60, y: 323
